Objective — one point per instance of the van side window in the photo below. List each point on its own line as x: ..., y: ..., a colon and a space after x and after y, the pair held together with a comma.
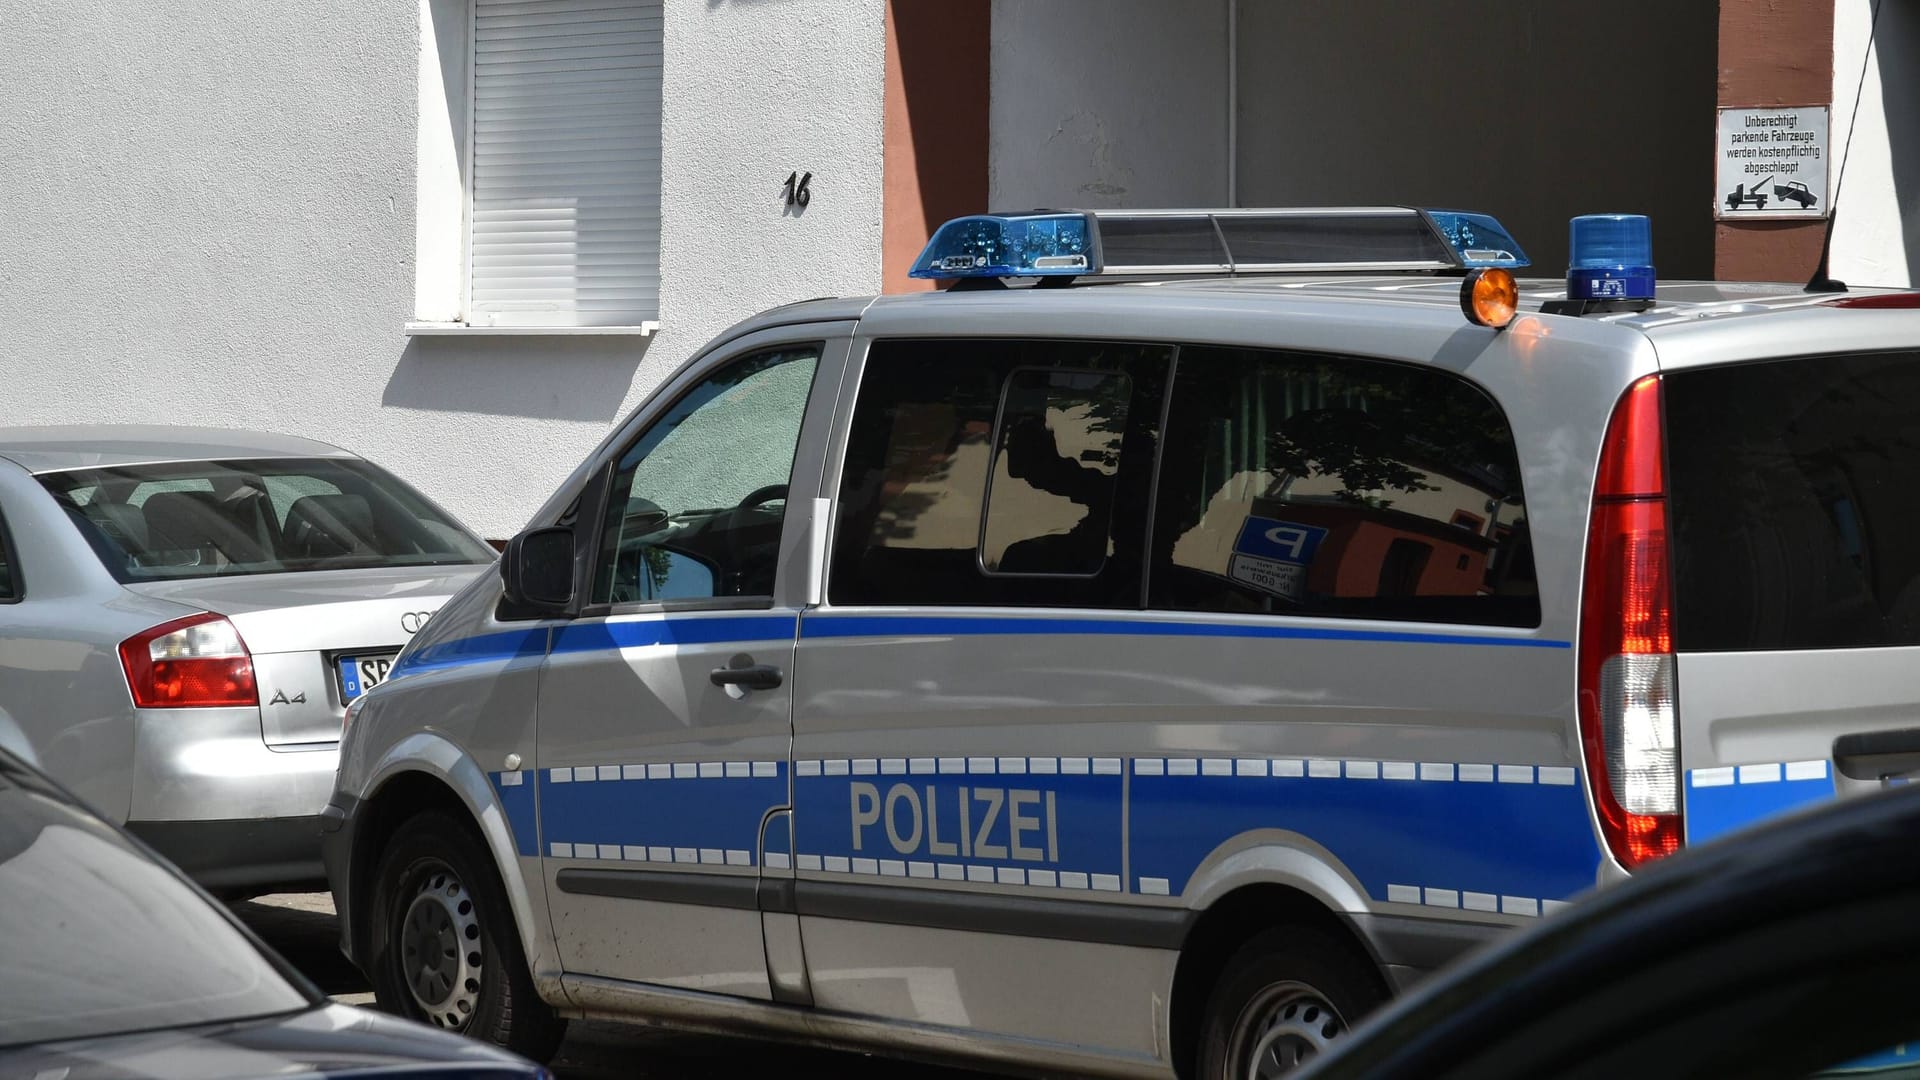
x: 9, y: 572
x: 698, y: 500
x: 992, y: 472
x: 1296, y: 484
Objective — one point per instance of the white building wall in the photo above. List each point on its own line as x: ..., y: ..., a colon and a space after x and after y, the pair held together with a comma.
x: 209, y: 216
x: 1876, y: 238
x: 1108, y: 103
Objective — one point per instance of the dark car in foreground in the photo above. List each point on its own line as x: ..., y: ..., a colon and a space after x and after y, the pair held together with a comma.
x: 1788, y: 951
x: 113, y: 966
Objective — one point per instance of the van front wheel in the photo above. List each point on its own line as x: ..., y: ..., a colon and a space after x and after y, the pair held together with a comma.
x: 1287, y: 996
x: 445, y: 950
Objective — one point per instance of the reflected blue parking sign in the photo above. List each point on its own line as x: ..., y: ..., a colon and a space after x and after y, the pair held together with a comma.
x: 1272, y: 555
x: 1286, y: 541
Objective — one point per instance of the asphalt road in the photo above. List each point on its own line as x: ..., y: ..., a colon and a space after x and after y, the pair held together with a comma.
x: 302, y: 927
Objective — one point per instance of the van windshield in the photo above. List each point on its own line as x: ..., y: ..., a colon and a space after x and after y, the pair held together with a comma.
x: 213, y: 518
x: 1795, y: 488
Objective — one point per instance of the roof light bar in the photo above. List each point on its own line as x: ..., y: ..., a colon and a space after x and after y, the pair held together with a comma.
x: 1120, y: 243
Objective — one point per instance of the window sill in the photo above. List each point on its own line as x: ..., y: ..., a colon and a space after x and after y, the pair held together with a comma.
x: 437, y: 329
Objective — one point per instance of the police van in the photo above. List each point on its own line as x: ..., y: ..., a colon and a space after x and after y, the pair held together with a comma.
x: 1147, y: 654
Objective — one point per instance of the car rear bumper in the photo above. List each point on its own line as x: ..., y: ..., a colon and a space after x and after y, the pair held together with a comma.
x: 252, y: 854
x: 228, y: 809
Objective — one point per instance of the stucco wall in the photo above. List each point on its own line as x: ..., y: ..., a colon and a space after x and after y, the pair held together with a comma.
x: 1108, y: 103
x: 1876, y: 238
x: 209, y: 219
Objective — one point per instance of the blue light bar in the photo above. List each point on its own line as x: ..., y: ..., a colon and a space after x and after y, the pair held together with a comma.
x: 1478, y: 240
x: 1026, y: 245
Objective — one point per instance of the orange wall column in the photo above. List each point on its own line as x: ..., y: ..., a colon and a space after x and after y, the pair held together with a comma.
x: 1773, y: 52
x: 938, y: 54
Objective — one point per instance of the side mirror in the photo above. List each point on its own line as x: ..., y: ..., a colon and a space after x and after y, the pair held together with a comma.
x: 537, y: 569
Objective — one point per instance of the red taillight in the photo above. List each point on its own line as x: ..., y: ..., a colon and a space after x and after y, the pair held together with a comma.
x: 197, y: 662
x: 1629, y: 718
x: 1899, y: 301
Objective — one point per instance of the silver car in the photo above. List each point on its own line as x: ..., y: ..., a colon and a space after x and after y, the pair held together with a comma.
x: 185, y: 614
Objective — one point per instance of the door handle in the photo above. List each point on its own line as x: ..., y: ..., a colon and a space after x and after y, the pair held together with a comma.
x: 747, y: 676
x: 1876, y: 755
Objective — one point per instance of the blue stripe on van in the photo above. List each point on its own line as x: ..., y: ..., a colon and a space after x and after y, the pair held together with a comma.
x: 597, y: 636
x: 643, y: 819
x: 1529, y: 840
x: 517, y: 800
x: 1726, y: 799
x: 673, y: 630
x: 841, y: 626
x: 479, y: 649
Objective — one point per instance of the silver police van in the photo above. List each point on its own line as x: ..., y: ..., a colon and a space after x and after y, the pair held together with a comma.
x: 1145, y: 656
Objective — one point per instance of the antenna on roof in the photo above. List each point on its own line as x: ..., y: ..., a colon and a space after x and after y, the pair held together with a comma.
x: 1822, y: 281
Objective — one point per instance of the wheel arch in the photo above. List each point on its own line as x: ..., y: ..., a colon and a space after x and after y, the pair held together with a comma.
x: 1250, y: 885
x: 426, y: 772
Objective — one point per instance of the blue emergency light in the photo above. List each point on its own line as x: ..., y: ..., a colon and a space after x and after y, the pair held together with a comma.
x: 995, y: 246
x: 1478, y: 240
x: 1612, y: 258
x: 1062, y: 244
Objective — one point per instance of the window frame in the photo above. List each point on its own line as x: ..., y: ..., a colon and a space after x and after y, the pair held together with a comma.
x: 1298, y: 355
x: 445, y: 137
x: 10, y: 552
x: 833, y: 476
x: 588, y: 543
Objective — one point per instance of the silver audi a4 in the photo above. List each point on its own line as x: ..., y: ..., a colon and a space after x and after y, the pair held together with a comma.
x: 185, y: 614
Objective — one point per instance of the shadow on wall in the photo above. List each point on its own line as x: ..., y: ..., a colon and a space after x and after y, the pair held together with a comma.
x: 543, y: 378
x: 1898, y: 45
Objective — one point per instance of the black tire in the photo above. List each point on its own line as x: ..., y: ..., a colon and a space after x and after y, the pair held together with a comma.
x: 1286, y: 994
x: 436, y: 875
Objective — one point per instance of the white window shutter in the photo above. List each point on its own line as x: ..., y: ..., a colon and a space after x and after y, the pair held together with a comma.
x: 566, y: 163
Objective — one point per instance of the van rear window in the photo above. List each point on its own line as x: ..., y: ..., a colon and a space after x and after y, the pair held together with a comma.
x: 1795, y: 488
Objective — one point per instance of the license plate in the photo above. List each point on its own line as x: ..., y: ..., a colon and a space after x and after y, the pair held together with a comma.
x: 359, y: 674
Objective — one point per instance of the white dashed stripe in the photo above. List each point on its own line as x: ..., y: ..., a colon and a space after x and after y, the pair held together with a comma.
x: 1716, y: 777
x: 1763, y: 772
x: 662, y: 770
x: 1472, y: 901
x: 1279, y: 768
x: 1154, y: 886
x: 984, y: 875
x: 511, y: 779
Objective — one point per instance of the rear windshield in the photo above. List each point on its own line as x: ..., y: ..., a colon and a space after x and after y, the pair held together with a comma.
x: 1795, y: 490
x: 100, y: 939
x: 213, y: 518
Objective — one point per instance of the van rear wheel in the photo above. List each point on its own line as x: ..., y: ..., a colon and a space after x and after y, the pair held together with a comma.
x: 1288, y: 995
x: 445, y: 950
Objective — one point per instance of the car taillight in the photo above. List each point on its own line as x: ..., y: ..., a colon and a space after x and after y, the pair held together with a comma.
x: 1629, y: 716
x: 197, y: 662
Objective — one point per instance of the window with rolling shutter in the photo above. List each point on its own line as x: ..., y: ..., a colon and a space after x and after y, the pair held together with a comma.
x: 565, y: 189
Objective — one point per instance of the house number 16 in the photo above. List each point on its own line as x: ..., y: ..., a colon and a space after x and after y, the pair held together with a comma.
x: 796, y: 189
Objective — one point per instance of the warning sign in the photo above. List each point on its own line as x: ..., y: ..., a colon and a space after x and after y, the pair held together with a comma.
x: 1773, y: 163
